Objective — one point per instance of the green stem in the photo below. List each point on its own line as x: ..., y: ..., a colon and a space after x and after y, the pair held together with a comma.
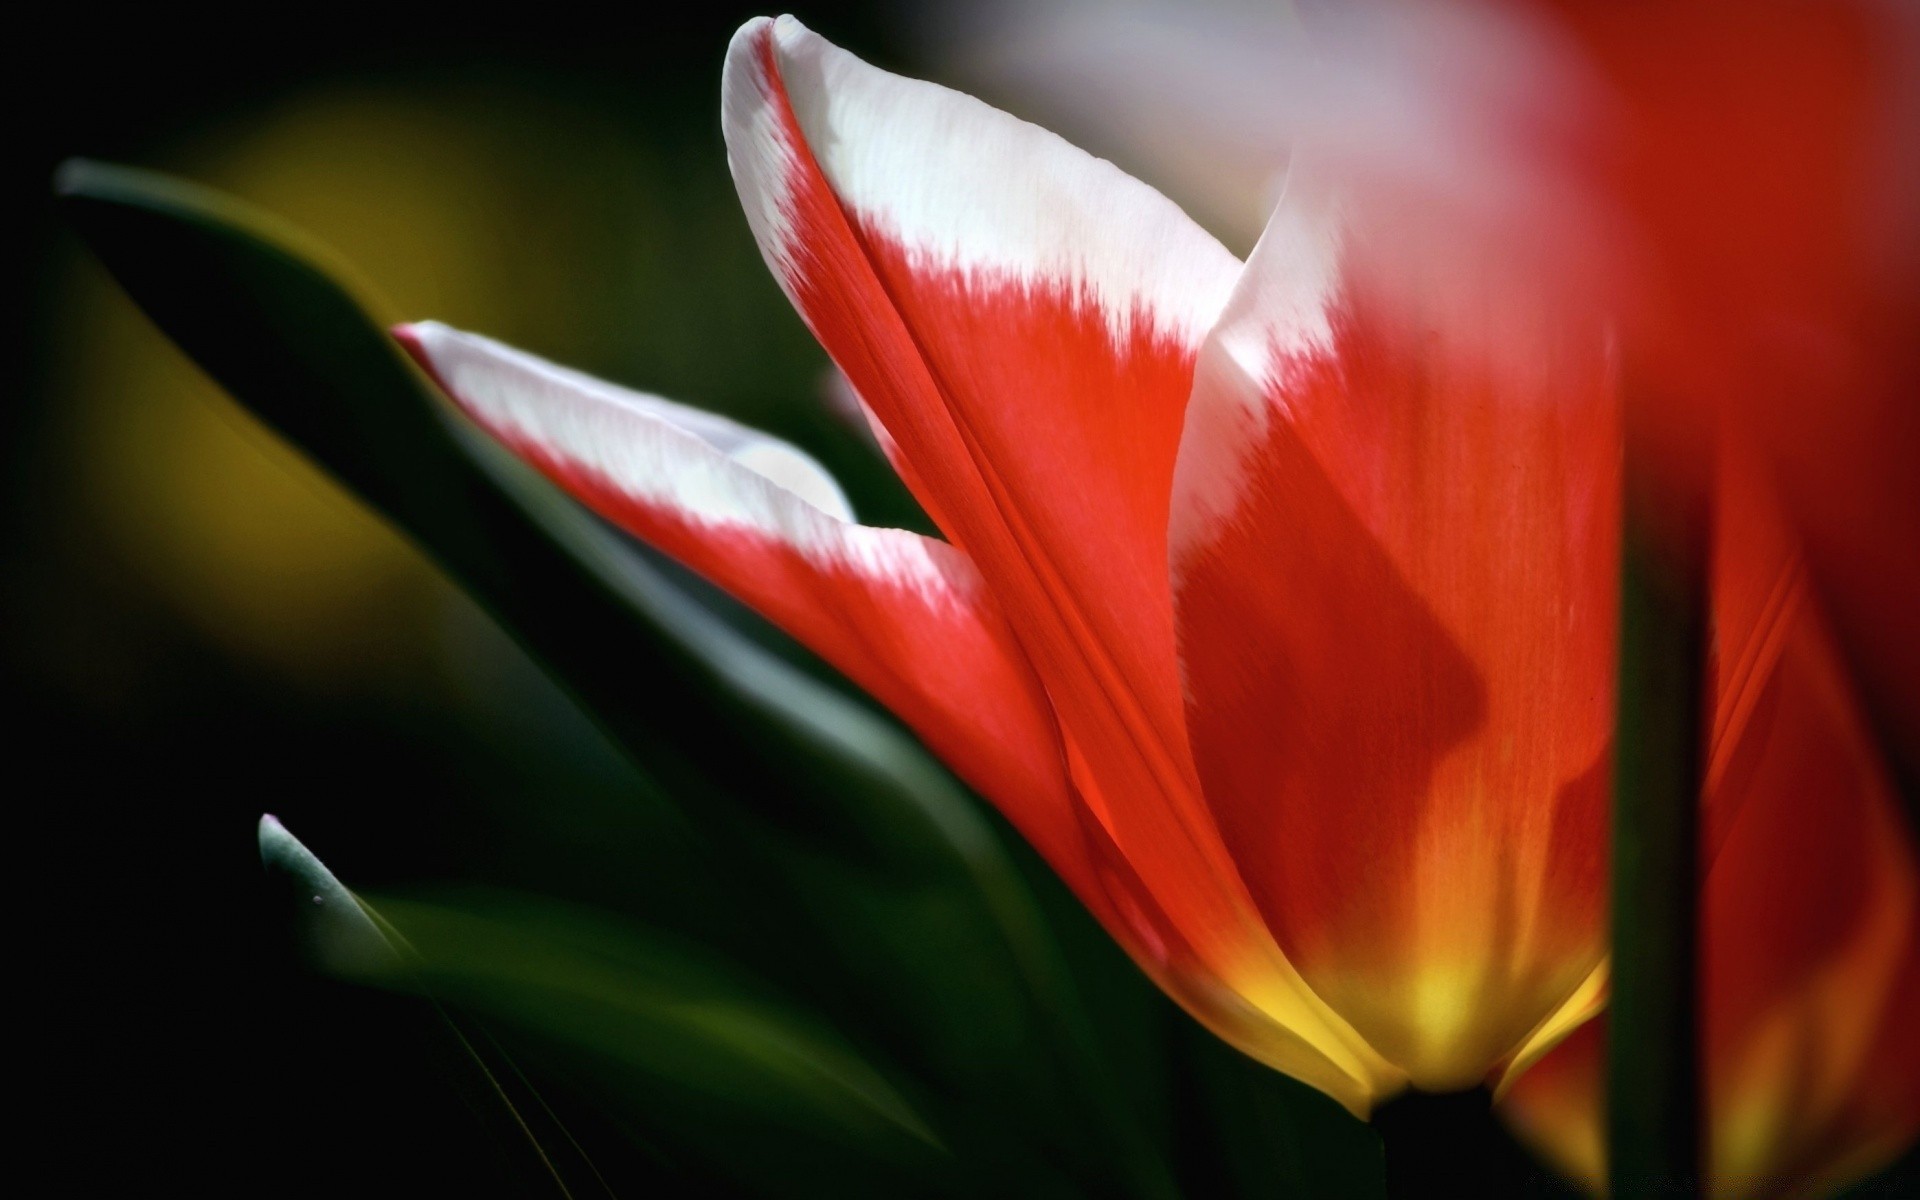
x: 1653, y: 1102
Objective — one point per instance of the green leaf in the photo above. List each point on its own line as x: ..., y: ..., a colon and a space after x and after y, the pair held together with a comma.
x: 870, y: 866
x: 713, y: 1057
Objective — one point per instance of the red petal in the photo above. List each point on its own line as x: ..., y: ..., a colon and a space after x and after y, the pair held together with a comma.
x: 1022, y: 319
x: 1395, y: 551
x: 1812, y: 936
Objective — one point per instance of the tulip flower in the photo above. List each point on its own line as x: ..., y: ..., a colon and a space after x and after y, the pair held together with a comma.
x: 1277, y: 600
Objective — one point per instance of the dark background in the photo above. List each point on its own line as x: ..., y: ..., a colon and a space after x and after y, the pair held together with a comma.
x: 198, y: 627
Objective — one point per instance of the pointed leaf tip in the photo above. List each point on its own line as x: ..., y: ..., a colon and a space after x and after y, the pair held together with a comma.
x: 90, y: 179
x: 336, y: 928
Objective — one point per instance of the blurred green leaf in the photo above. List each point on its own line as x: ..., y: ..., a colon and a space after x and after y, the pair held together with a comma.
x: 1653, y: 1098
x: 882, y: 893
x: 712, y: 1057
x: 707, y: 1053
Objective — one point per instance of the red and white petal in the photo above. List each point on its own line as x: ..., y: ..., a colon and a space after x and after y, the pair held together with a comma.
x: 1394, y: 545
x: 1022, y: 319
x: 1019, y: 316
x: 904, y: 616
